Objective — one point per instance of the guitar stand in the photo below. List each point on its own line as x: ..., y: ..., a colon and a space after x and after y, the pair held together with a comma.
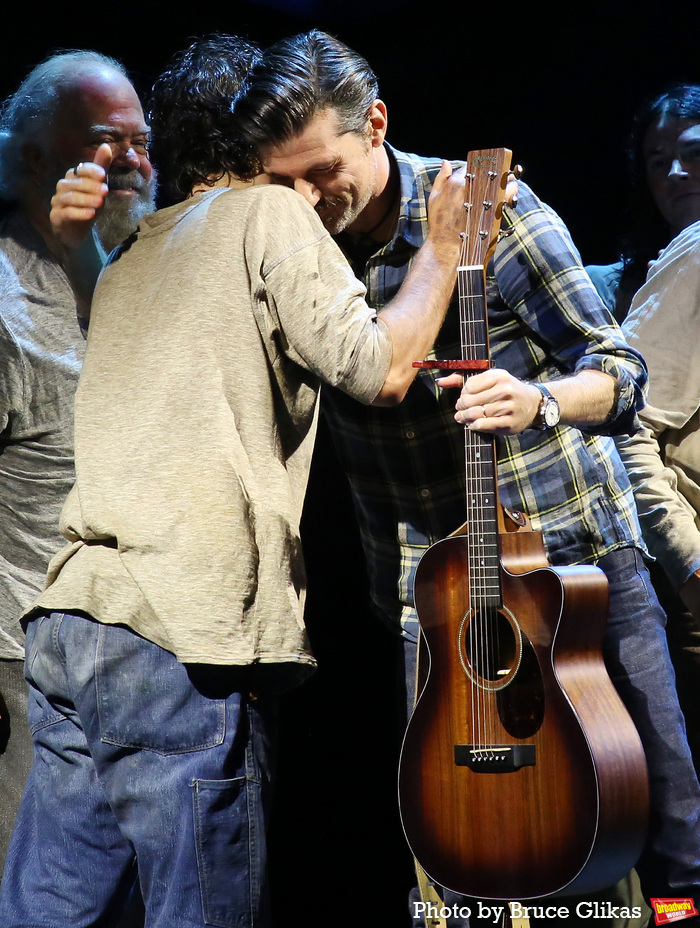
x: 430, y: 897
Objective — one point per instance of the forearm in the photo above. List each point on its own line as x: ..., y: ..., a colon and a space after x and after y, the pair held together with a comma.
x: 585, y: 398
x: 83, y: 266
x: 416, y: 313
x: 499, y: 403
x: 78, y: 198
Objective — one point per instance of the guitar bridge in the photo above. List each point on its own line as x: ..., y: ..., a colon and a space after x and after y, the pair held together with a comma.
x: 504, y: 758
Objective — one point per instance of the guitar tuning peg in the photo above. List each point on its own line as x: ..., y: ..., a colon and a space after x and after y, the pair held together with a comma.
x: 518, y: 171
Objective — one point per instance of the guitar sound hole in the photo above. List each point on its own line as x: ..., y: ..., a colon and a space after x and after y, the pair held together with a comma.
x: 491, y: 645
x: 498, y: 657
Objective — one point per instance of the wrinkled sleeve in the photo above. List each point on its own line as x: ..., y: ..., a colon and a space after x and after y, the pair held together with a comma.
x: 663, y: 324
x: 324, y: 323
x: 540, y: 276
x: 667, y: 520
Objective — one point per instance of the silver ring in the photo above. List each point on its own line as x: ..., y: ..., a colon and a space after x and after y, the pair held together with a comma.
x: 77, y: 168
x: 483, y: 409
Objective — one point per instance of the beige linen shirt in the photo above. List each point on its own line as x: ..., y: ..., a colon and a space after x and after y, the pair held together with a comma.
x: 195, y: 420
x: 664, y: 324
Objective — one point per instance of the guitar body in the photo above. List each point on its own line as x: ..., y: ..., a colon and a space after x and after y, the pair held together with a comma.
x: 521, y: 772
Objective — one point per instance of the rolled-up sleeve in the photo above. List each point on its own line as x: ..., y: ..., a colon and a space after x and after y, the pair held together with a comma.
x: 566, y: 326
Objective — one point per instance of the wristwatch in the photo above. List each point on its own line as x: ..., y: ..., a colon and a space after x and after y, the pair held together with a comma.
x: 549, y: 414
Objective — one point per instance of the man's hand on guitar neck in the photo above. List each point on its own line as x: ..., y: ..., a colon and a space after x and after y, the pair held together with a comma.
x: 495, y: 401
x: 498, y: 403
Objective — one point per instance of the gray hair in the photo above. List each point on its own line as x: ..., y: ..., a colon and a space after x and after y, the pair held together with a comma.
x: 27, y: 115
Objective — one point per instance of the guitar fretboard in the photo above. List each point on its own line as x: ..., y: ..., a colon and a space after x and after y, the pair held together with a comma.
x: 479, y: 453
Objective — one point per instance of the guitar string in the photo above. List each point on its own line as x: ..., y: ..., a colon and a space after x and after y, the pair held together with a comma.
x: 489, y: 514
x: 480, y: 495
x: 465, y: 341
x: 475, y: 628
x: 465, y: 633
x: 476, y: 625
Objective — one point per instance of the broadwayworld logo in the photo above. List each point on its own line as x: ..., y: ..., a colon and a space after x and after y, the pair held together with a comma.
x: 672, y: 910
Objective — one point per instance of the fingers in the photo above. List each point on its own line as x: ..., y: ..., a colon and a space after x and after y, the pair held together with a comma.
x: 473, y: 414
x: 450, y: 380
x: 497, y: 402
x: 103, y: 156
x: 444, y: 172
x: 446, y: 207
x: 83, y: 187
x: 79, y: 196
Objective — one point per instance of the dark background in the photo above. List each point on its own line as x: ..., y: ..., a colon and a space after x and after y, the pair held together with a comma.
x: 557, y: 86
x: 555, y: 82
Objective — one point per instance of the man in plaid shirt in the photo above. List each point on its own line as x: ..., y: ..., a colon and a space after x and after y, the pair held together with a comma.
x: 312, y: 110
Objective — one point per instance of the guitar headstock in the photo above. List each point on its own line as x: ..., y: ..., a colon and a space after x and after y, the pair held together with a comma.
x: 487, y: 179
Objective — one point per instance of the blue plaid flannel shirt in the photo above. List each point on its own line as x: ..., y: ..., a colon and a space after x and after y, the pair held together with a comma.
x: 405, y: 464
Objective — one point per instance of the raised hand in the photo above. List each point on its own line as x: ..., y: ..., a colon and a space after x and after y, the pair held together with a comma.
x: 446, y: 211
x: 78, y: 198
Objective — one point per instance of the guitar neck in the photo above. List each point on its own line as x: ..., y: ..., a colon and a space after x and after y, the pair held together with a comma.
x: 479, y: 449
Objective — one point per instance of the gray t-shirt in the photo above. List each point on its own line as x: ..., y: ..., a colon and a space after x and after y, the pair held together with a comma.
x: 41, y: 352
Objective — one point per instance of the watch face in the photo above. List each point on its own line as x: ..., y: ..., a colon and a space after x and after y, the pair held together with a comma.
x: 551, y: 413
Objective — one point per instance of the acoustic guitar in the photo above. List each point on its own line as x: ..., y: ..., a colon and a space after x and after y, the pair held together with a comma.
x: 521, y: 773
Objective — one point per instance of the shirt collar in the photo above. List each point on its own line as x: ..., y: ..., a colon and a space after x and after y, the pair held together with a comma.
x: 416, y: 176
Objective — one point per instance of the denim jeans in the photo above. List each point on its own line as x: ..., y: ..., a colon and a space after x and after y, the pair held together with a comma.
x: 637, y: 659
x: 140, y: 764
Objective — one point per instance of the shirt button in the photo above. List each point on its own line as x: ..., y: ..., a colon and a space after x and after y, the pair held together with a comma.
x: 425, y: 493
x: 410, y: 434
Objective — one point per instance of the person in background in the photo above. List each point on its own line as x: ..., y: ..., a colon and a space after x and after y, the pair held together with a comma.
x: 66, y: 107
x: 658, y: 207
x: 664, y: 459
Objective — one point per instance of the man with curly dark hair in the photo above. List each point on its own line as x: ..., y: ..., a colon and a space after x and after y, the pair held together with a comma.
x: 195, y: 135
x: 175, y: 614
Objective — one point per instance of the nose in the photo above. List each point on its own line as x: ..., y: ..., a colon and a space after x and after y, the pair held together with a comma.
x: 309, y: 191
x: 125, y: 157
x: 677, y: 169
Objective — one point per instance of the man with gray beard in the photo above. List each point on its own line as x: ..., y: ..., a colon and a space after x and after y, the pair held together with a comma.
x: 63, y: 111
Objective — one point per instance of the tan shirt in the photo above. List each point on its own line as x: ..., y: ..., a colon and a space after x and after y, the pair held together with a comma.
x: 195, y: 421
x: 664, y: 324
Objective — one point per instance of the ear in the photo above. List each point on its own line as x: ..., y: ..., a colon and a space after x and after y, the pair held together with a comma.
x: 378, y: 123
x: 35, y: 161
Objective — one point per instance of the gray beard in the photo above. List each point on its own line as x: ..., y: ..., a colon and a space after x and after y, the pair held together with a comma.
x: 119, y: 217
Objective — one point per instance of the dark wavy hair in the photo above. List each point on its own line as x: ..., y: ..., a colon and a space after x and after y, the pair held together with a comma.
x: 195, y: 135
x: 299, y: 77
x: 646, y: 231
